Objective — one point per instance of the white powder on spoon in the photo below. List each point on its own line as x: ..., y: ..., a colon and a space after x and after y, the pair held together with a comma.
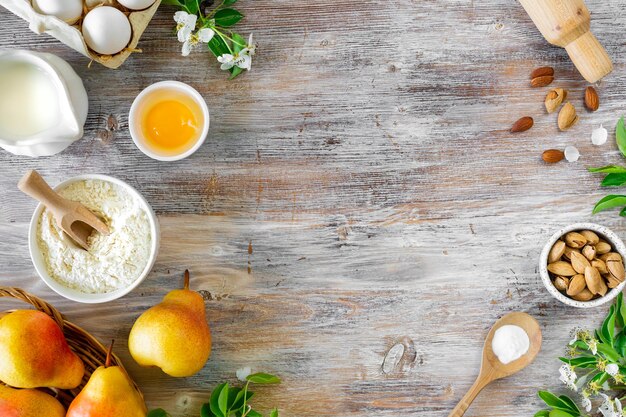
x: 509, y: 343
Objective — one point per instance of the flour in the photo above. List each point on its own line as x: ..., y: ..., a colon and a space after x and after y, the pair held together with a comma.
x: 113, y: 261
x: 509, y: 343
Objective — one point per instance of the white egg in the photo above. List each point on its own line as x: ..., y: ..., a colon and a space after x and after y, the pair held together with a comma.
x: 106, y: 30
x: 136, y: 4
x: 67, y: 10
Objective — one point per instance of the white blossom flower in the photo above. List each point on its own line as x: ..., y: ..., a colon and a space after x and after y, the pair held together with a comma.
x: 610, y: 408
x: 186, y: 24
x: 241, y: 59
x: 593, y: 346
x: 586, y: 403
x: 243, y: 373
x: 612, y: 369
x: 568, y: 376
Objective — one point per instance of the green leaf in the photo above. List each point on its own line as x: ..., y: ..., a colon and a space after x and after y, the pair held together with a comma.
x: 608, y: 352
x: 171, y: 3
x: 620, y: 136
x: 552, y: 400
x: 214, y: 401
x: 542, y: 413
x: 205, y: 411
x: 622, y: 212
x: 609, y: 169
x: 218, y: 46
x: 239, y: 399
x: 619, y: 305
x: 608, y: 202
x: 572, y: 404
x: 192, y: 6
x: 227, y: 17
x: 233, y: 392
x: 222, y: 400
x: 613, y: 180
x: 262, y: 378
x: 158, y: 412
x: 620, y: 344
x: 253, y: 413
x: 608, y: 327
x: 622, y: 309
x: 274, y: 413
x: 585, y: 362
x: 229, y: 2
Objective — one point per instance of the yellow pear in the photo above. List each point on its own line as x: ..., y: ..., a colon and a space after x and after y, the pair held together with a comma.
x: 174, y: 334
x: 34, y: 353
x: 28, y: 403
x: 108, y: 393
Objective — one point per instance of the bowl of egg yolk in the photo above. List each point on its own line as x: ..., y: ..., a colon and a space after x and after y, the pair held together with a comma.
x: 169, y: 120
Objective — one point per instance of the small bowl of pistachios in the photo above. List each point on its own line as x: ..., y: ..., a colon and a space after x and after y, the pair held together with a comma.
x: 582, y: 265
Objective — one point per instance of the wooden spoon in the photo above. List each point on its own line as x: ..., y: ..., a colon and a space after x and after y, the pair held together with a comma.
x: 72, y: 217
x: 491, y: 367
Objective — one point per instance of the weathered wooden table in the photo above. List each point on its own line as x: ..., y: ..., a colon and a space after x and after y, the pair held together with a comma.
x: 359, y: 215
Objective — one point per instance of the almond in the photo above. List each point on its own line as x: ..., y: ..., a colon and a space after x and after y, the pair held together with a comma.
x: 541, y: 81
x: 602, y: 247
x: 594, y: 281
x: 561, y: 268
x: 554, y: 99
x: 576, y: 284
x: 542, y: 71
x: 552, y: 156
x: 592, y: 101
x: 567, y: 116
x: 556, y: 251
x: 584, y: 295
x: 523, y: 124
x: 575, y: 240
x: 579, y: 263
x: 591, y: 237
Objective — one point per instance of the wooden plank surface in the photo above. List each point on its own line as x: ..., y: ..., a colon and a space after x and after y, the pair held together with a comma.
x: 359, y: 215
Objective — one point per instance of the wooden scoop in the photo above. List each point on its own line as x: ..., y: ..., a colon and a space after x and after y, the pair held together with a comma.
x: 491, y: 368
x: 72, y: 217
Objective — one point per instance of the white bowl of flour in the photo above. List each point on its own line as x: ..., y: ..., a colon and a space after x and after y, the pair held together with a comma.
x: 114, y: 264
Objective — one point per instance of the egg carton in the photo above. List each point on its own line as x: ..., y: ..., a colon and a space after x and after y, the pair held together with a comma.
x: 72, y: 36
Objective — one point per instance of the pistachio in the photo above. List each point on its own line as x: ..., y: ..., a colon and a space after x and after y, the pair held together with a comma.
x: 594, y: 281
x: 600, y: 266
x: 615, y: 266
x: 589, y: 251
x: 561, y: 283
x: 575, y: 240
x: 610, y: 255
x: 602, y: 247
x: 579, y: 262
x: 556, y: 252
x: 567, y: 252
x: 611, y: 282
x: 592, y: 237
x: 561, y: 268
x: 576, y: 284
x: 584, y: 295
x: 554, y: 99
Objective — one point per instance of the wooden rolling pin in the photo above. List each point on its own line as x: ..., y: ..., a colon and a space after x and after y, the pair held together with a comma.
x: 566, y: 23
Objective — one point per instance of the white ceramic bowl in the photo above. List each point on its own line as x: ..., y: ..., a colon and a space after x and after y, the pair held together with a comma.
x: 135, y: 128
x: 604, y: 233
x: 76, y: 295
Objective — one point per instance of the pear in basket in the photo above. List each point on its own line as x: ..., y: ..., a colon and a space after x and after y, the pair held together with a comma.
x: 34, y: 352
x: 108, y: 393
x: 28, y: 403
x: 174, y: 334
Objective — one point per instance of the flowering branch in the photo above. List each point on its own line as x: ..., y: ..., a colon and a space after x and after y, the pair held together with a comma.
x: 595, y: 364
x: 195, y: 26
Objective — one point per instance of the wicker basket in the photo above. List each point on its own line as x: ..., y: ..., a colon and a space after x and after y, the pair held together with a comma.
x: 88, y: 348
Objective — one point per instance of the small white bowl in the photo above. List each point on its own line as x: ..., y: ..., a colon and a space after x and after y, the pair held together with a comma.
x: 71, y: 293
x: 606, y: 234
x: 135, y: 128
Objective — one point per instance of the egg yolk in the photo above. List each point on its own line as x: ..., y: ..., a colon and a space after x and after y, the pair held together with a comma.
x: 170, y: 125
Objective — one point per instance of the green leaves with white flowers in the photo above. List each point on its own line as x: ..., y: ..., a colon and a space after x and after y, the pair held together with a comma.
x: 229, y: 401
x: 596, y: 364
